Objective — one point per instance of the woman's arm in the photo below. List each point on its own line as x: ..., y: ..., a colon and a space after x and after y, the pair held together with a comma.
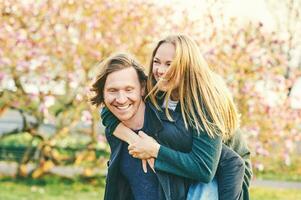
x: 125, y: 134
x: 199, y: 164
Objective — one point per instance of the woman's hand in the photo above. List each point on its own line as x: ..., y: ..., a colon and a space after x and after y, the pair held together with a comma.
x: 145, y: 147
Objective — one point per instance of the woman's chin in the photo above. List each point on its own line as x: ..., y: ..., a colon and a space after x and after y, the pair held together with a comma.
x: 162, y: 89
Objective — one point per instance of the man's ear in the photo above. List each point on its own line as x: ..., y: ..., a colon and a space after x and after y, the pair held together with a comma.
x: 143, y: 89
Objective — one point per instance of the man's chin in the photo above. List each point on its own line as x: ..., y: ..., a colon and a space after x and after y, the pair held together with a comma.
x: 122, y: 117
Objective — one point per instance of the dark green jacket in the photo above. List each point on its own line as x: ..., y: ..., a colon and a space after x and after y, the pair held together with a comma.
x: 237, y: 143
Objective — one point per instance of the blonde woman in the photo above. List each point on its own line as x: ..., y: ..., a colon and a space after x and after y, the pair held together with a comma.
x: 180, y: 81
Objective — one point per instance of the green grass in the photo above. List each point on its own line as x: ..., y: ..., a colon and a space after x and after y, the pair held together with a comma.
x: 54, y: 188
x: 276, y: 169
x: 259, y: 193
x: 50, y: 189
x: 280, y: 175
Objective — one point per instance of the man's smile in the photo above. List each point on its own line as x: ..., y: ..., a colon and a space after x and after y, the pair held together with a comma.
x: 123, y: 107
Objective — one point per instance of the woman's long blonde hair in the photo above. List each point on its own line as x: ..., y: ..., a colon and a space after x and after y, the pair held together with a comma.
x: 206, y: 103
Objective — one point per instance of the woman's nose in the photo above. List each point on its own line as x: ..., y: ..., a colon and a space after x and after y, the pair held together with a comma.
x: 161, y: 71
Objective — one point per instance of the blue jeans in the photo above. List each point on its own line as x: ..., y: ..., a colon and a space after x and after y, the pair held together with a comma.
x: 203, y: 191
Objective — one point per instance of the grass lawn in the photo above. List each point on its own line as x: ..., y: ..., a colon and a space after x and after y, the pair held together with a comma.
x: 51, y: 188
x: 259, y: 193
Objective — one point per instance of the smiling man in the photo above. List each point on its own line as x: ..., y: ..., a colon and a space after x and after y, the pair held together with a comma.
x: 123, y: 96
x: 120, y: 87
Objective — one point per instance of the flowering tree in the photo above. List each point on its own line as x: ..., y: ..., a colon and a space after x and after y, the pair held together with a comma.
x: 258, y: 66
x: 49, y: 50
x: 47, y: 58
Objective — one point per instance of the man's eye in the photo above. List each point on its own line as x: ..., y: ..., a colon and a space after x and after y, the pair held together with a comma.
x: 128, y: 89
x: 112, y: 90
x: 155, y: 61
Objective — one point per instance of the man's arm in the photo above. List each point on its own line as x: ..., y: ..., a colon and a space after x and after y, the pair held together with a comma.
x: 109, y: 120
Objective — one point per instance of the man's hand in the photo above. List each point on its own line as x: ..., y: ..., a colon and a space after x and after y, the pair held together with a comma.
x: 150, y: 162
x: 145, y: 147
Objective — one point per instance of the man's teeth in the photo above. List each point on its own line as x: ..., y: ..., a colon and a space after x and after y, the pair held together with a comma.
x: 123, y: 107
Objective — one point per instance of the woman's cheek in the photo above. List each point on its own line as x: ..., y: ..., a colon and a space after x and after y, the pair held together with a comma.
x: 154, y: 73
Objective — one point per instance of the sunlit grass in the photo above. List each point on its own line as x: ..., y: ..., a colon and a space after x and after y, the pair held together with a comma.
x: 50, y: 189
x: 259, y: 193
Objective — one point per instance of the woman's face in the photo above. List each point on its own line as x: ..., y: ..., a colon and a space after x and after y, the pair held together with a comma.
x: 162, y: 60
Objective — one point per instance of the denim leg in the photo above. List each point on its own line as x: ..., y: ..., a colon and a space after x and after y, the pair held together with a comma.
x: 203, y: 191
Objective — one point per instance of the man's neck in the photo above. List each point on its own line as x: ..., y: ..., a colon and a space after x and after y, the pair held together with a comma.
x: 137, y: 121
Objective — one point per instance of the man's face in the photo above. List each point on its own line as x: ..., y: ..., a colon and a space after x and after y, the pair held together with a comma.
x: 123, y: 94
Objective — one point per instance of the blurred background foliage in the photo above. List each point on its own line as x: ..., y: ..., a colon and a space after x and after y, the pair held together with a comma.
x: 49, y: 50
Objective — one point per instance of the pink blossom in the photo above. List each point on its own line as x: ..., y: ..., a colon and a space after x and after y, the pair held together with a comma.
x: 259, y: 166
x: 86, y: 117
x: 287, y: 159
x: 262, y: 151
x: 101, y: 138
x: 289, y: 145
x: 2, y: 76
x: 79, y: 97
x: 49, y: 101
x: 42, y: 108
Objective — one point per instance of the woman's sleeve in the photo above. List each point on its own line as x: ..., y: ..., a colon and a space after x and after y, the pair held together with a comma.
x: 109, y: 121
x: 200, y: 164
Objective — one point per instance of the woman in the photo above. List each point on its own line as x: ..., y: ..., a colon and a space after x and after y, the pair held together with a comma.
x: 200, y: 96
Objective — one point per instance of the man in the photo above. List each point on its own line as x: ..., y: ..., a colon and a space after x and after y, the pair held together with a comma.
x: 120, y: 86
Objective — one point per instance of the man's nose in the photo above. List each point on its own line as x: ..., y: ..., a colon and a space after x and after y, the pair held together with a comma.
x: 121, y: 98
